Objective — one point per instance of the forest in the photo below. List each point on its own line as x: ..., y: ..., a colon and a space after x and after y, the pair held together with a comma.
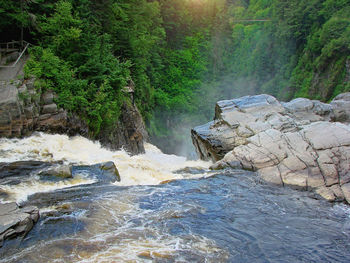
x: 182, y: 55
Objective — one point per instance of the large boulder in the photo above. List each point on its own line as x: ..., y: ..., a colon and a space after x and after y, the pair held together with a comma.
x: 295, y: 143
x: 16, y: 221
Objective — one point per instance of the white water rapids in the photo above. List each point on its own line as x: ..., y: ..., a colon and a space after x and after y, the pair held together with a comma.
x: 150, y: 168
x: 230, y: 217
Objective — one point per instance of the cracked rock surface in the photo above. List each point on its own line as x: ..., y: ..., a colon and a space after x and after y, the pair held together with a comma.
x: 302, y: 143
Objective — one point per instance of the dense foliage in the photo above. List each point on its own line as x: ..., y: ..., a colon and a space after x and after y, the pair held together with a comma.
x: 182, y: 55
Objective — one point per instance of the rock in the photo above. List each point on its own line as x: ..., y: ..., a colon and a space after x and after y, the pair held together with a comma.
x: 294, y: 143
x: 53, y: 123
x: 106, y: 172
x: 216, y: 144
x: 311, y: 110
x: 129, y: 132
x: 51, y: 108
x: 30, y: 83
x: 20, y: 168
x: 47, y: 97
x: 325, y: 135
x: 16, y: 221
x: 326, y: 193
x: 25, y: 110
x: 346, y: 191
x: 337, y: 191
x: 341, y: 107
x: 23, y: 89
x: 10, y: 110
x: 60, y: 172
x: 110, y: 169
x: 20, y: 112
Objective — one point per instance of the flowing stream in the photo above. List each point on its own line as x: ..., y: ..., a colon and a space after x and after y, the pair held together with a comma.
x: 165, y: 209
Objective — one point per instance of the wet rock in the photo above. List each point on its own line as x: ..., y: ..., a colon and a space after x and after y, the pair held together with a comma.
x: 20, y: 168
x: 105, y: 172
x: 294, y: 143
x: 60, y: 172
x: 109, y: 170
x: 16, y: 221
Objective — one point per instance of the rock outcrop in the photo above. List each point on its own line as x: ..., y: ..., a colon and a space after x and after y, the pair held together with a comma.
x: 130, y: 132
x: 24, y: 109
x: 16, y: 221
x: 302, y: 143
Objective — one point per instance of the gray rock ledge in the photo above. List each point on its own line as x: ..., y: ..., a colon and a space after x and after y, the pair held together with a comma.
x: 302, y: 143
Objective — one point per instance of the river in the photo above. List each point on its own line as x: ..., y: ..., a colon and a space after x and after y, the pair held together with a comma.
x: 165, y: 209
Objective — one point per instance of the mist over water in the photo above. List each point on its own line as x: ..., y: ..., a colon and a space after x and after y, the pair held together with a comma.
x: 177, y: 138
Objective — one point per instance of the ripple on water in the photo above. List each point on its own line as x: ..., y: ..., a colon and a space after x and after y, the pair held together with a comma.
x: 227, y: 216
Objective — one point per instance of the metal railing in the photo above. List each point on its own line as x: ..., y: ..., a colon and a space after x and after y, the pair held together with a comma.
x: 14, y: 46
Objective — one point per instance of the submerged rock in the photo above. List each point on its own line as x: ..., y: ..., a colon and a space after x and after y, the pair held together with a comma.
x: 297, y: 143
x: 16, y: 221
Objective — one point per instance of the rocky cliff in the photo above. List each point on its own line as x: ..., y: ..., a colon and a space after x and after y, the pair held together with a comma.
x: 302, y: 143
x: 129, y: 132
x: 25, y: 109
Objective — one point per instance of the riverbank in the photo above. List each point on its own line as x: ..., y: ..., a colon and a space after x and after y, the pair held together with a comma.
x: 25, y: 108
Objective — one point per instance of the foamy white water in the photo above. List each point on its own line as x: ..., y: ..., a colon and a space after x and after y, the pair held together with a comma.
x: 150, y: 168
x: 228, y: 218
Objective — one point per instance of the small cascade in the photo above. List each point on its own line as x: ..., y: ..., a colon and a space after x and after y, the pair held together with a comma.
x: 150, y: 168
